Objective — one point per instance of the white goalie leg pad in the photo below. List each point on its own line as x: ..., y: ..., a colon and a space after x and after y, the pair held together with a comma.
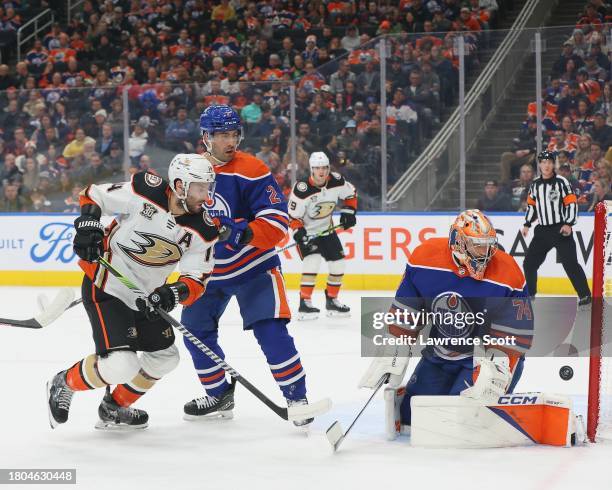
x: 160, y: 362
x: 520, y: 419
x: 337, y: 267
x: 311, y: 264
x: 393, y: 424
x: 118, y: 367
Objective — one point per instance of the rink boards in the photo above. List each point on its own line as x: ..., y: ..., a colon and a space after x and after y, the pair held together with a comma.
x: 36, y: 249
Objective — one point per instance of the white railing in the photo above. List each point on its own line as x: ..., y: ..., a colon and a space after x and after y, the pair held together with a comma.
x: 418, y: 183
x: 71, y: 7
x: 40, y: 23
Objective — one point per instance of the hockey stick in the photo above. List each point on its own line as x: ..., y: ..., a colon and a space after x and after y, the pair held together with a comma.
x: 334, y: 433
x: 51, y: 312
x: 299, y: 412
x: 311, y: 237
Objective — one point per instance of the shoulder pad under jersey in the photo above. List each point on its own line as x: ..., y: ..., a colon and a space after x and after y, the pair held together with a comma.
x: 201, y: 224
x: 152, y: 187
x: 304, y: 190
x: 335, y: 180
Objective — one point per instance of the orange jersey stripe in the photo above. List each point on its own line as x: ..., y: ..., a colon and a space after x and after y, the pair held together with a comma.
x: 207, y: 379
x: 284, y: 311
x: 265, y: 235
x: 289, y: 371
x: 221, y: 270
x: 352, y: 202
x: 296, y: 223
x: 93, y: 295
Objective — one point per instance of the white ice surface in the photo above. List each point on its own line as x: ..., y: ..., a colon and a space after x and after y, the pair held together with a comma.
x: 257, y: 450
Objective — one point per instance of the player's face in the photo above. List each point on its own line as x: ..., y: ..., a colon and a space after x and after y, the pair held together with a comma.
x: 319, y: 175
x: 223, y: 145
x: 197, y: 196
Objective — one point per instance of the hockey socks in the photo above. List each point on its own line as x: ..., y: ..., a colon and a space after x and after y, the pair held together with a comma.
x: 307, y: 284
x: 84, y: 375
x: 127, y: 393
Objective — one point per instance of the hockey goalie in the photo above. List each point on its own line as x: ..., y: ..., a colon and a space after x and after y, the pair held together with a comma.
x: 460, y: 393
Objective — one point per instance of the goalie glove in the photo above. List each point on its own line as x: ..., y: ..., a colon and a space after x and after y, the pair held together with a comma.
x: 492, y: 376
x: 392, y: 361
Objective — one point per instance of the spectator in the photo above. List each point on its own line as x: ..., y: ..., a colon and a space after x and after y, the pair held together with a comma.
x: 601, y: 131
x: 181, y: 132
x: 269, y: 157
x: 492, y: 199
x: 350, y: 40
x: 287, y: 53
x: 138, y: 140
x: 115, y: 159
x: 77, y: 145
x: 9, y: 171
x: 11, y: 201
x: 104, y: 142
x: 519, y: 187
x: 94, y: 171
x: 71, y: 203
x: 30, y: 175
x: 368, y: 81
x: 583, y: 151
x: 565, y: 170
x: 599, y: 193
x: 422, y: 100
x: 252, y: 113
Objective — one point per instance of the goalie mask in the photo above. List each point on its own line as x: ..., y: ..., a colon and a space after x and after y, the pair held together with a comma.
x: 472, y: 241
x: 190, y: 168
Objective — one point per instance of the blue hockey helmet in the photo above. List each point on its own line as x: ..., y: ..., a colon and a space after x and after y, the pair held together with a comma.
x: 218, y: 118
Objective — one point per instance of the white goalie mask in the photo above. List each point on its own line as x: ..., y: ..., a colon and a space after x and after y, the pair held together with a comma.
x: 188, y: 168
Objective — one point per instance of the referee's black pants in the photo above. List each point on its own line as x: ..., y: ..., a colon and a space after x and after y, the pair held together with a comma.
x: 546, y: 238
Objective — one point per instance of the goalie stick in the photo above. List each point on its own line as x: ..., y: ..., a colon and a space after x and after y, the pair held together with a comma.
x: 334, y: 433
x: 299, y: 412
x: 49, y: 313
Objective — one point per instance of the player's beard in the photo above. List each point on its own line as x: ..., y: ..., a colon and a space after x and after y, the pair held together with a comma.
x: 193, y: 207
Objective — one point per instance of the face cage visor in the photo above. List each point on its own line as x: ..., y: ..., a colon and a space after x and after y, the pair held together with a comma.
x: 478, y: 252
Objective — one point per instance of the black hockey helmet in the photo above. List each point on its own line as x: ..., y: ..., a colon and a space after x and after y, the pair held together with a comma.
x: 546, y: 155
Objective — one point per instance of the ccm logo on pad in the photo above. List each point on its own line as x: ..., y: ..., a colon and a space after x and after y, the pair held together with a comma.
x: 517, y: 400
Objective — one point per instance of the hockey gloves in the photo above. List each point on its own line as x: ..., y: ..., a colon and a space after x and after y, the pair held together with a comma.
x: 235, y: 232
x: 492, y: 374
x: 165, y: 297
x: 304, y: 241
x: 347, y: 218
x: 88, y: 241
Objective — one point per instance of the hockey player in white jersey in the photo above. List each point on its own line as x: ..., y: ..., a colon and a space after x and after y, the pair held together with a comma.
x: 159, y: 224
x: 311, y: 205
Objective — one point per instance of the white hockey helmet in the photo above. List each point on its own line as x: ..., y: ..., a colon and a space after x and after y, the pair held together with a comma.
x: 188, y: 168
x: 318, y: 159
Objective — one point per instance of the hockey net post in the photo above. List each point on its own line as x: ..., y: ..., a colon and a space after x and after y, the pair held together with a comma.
x: 599, y: 418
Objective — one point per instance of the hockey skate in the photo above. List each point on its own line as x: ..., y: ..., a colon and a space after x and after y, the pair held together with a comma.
x: 211, y: 407
x: 115, y: 417
x: 307, y: 311
x: 335, y: 308
x: 300, y: 423
x: 59, y: 397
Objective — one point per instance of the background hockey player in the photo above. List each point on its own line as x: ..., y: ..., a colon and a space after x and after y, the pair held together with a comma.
x: 252, y: 214
x: 311, y: 205
x: 464, y: 271
x: 159, y: 225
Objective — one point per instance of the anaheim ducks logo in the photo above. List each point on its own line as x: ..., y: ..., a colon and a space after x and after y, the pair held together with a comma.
x: 322, y: 210
x: 156, y: 251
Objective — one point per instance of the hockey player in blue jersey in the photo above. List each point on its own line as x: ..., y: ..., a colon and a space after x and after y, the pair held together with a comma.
x: 252, y: 214
x: 466, y: 273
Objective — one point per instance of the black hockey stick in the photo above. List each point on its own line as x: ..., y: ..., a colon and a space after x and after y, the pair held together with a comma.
x: 299, y: 412
x: 311, y: 237
x: 334, y: 433
x: 51, y: 312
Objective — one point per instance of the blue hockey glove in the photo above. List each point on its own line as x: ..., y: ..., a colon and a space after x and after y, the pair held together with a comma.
x: 235, y: 232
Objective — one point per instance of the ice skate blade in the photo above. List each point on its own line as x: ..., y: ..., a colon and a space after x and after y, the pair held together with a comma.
x: 221, y: 415
x: 307, y: 317
x: 52, y: 422
x: 338, y: 314
x: 112, y: 427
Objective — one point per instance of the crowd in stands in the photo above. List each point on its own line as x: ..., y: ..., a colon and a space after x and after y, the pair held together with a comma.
x: 577, y: 120
x: 62, y: 106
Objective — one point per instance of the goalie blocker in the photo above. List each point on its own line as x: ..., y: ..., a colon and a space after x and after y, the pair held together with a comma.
x: 520, y: 419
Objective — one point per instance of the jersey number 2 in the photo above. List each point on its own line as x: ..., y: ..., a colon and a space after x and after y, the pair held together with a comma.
x: 273, y: 195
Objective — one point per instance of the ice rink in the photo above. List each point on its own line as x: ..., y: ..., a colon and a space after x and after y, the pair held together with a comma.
x: 257, y: 450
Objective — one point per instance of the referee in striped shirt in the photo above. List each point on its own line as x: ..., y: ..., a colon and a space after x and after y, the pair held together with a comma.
x: 552, y: 202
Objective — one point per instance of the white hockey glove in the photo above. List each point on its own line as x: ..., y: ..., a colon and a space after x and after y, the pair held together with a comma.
x: 393, y: 361
x: 494, y: 376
